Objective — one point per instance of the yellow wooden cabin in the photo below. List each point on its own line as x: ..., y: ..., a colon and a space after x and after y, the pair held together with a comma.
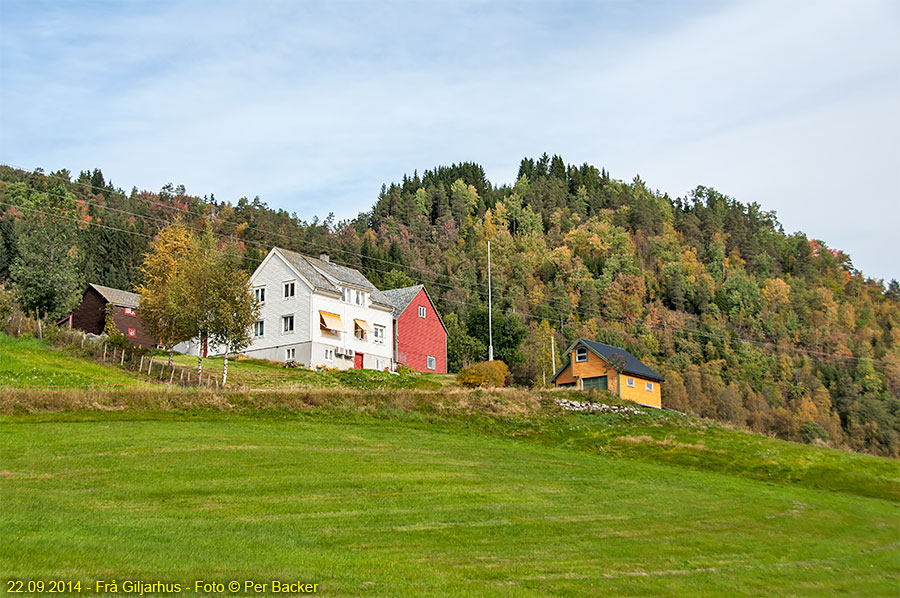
x: 590, y: 364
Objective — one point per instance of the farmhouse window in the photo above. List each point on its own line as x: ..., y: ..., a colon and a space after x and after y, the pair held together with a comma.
x: 129, y: 311
x: 580, y: 355
x: 329, y: 354
x: 431, y: 363
x: 289, y: 354
x: 629, y: 382
x: 260, y: 295
x: 287, y: 323
x: 289, y: 290
x: 648, y: 386
x: 379, y: 334
x: 330, y: 322
x: 360, y: 298
x: 132, y: 332
x: 421, y: 311
x: 345, y: 294
x: 259, y: 328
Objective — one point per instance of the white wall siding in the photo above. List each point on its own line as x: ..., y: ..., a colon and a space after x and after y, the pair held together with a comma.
x: 346, y: 340
x: 272, y: 275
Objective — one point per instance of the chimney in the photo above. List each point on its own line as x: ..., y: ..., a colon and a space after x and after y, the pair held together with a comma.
x: 323, y: 257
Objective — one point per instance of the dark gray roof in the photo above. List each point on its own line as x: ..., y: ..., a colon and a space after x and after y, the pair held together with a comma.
x: 321, y: 275
x: 633, y: 365
x: 117, y: 297
x: 308, y: 271
x: 399, y: 298
x: 341, y: 273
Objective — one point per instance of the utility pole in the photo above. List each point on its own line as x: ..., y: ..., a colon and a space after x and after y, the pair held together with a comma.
x: 552, y: 352
x: 490, y: 309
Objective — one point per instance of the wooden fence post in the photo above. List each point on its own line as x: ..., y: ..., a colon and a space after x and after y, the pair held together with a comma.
x: 141, y: 368
x: 150, y: 365
x: 172, y: 375
x: 122, y: 359
x: 104, y: 351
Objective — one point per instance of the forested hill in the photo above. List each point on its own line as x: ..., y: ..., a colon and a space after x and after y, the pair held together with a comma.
x: 748, y: 324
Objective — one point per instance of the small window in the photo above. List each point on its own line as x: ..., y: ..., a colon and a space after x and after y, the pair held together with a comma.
x: 360, y: 298
x: 378, y: 334
x: 648, y: 386
x: 259, y: 328
x: 132, y: 332
x: 345, y: 294
x: 629, y: 382
x: 290, y: 354
x: 260, y: 295
x: 421, y: 311
x: 287, y: 323
x: 329, y: 354
x: 580, y: 355
x: 431, y: 363
x: 358, y: 332
x: 289, y: 290
x: 129, y: 311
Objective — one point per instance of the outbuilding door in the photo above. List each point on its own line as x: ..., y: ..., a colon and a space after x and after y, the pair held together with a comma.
x: 600, y: 383
x: 358, y: 361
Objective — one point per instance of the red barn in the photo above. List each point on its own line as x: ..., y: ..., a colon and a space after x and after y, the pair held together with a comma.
x: 90, y: 316
x: 420, y: 337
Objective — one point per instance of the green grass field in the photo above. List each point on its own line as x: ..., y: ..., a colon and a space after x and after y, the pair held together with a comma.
x: 383, y: 490
x: 32, y: 362
x: 385, y: 503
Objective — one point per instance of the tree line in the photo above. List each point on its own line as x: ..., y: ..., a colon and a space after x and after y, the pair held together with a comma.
x: 773, y: 331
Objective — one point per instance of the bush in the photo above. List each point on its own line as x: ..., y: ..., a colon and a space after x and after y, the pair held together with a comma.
x: 486, y: 373
x: 810, y: 431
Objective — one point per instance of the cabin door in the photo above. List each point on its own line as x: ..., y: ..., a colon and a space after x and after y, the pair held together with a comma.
x: 358, y: 360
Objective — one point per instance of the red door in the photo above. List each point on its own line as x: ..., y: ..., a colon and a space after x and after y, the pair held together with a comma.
x: 357, y: 361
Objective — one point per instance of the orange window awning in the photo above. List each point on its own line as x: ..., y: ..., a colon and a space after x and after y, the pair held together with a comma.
x: 363, y: 324
x: 331, y: 321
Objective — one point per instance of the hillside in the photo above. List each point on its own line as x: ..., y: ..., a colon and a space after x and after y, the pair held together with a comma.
x: 772, y: 331
x: 421, y: 493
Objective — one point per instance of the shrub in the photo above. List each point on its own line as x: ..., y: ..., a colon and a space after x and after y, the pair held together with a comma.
x: 810, y: 431
x: 486, y: 373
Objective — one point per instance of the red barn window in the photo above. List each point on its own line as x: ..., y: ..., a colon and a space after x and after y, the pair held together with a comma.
x: 132, y: 332
x: 129, y: 311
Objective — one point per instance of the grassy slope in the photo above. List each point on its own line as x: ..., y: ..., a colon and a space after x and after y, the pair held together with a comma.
x: 385, y: 503
x: 400, y: 491
x: 31, y: 362
x: 257, y: 373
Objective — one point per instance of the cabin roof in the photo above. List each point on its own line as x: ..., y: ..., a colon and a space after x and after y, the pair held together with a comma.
x: 117, y: 296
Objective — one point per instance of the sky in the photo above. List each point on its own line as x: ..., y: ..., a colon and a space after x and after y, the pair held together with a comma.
x: 792, y: 104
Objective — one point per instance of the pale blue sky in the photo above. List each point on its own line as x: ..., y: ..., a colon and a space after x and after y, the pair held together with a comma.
x: 312, y: 106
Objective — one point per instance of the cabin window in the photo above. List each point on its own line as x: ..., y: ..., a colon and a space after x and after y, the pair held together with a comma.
x: 129, y: 311
x: 580, y: 355
x: 132, y: 332
x: 289, y: 290
x: 421, y: 311
x: 260, y: 295
x: 287, y: 323
x: 648, y: 386
x: 431, y: 363
x: 259, y: 328
x: 629, y: 382
x: 329, y: 354
x: 378, y: 334
x: 289, y: 354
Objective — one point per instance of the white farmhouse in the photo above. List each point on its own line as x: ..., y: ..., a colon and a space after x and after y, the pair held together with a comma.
x: 318, y: 313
